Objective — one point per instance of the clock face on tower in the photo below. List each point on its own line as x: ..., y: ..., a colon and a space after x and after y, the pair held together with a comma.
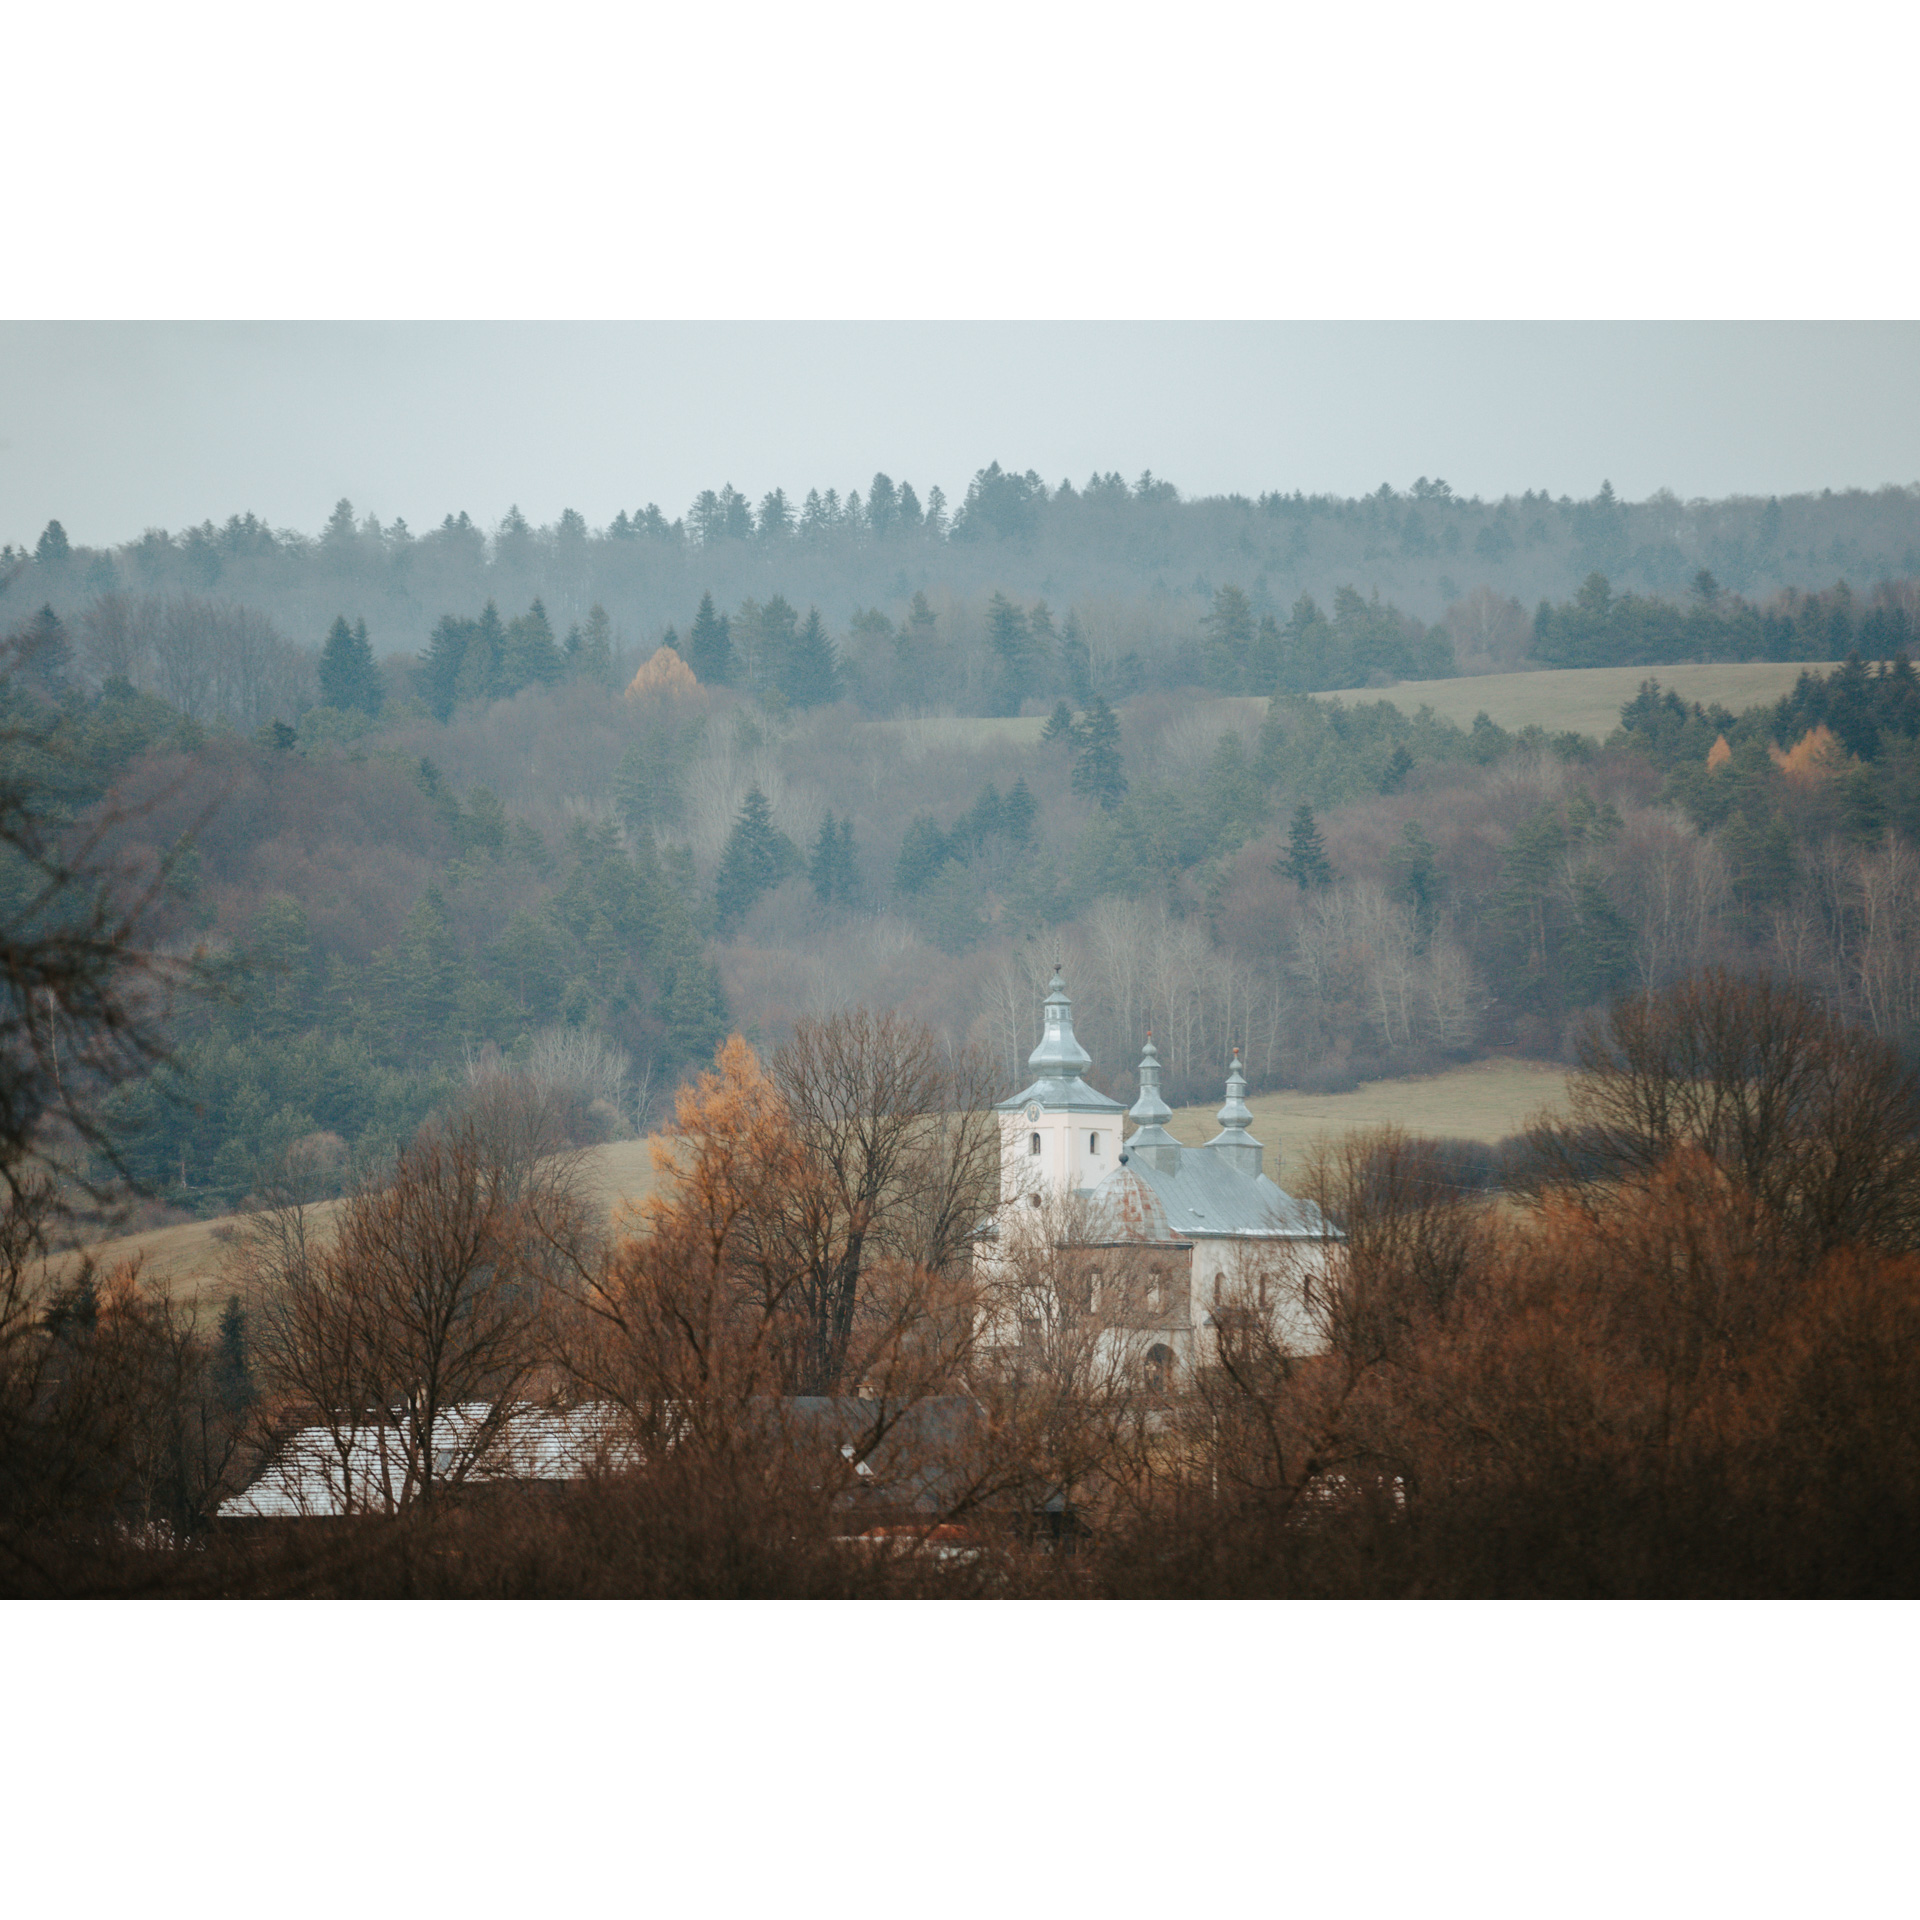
x: 1033, y: 1110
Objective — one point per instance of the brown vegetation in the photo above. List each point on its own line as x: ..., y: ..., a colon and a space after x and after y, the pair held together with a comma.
x: 1689, y: 1367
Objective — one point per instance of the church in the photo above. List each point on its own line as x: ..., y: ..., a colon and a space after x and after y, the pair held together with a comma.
x: 1146, y: 1243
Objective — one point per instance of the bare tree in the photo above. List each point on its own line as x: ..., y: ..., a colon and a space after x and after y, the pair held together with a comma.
x: 414, y: 1333
x: 1819, y: 1120
x: 900, y: 1150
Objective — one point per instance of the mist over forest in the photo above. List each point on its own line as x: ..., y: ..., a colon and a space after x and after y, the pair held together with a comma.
x: 446, y: 799
x: 1135, y: 564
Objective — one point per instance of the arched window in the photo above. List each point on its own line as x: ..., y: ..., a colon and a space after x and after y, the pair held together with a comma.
x: 1093, y: 1290
x: 1159, y: 1368
x: 1156, y: 1290
x: 1033, y: 1144
x: 1093, y: 1143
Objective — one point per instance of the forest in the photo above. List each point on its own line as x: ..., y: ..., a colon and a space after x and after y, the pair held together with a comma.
x: 409, y: 868
x: 630, y: 826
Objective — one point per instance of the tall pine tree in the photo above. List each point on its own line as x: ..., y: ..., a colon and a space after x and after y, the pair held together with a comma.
x: 710, y: 646
x: 809, y: 673
x: 757, y: 857
x: 349, y: 677
x: 1306, y: 861
x: 1096, y: 768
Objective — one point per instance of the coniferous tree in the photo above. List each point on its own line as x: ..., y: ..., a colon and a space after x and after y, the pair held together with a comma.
x: 349, y: 676
x: 594, y: 661
x: 757, y: 857
x: 480, y: 664
x: 988, y: 815
x: 1059, y: 725
x: 1306, y: 862
x: 44, y: 654
x: 832, y: 869
x: 1019, y: 812
x: 710, y: 646
x: 1228, y: 625
x: 1096, y: 769
x: 232, y: 1375
x: 530, y: 657
x: 1011, y: 640
x: 1076, y: 660
x: 439, y: 669
x: 809, y: 672
x: 923, y: 852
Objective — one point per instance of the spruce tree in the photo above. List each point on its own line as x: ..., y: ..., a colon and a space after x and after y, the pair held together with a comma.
x: 1011, y: 640
x: 530, y: 657
x: 757, y: 857
x: 923, y: 852
x: 1306, y: 861
x: 479, y: 678
x: 232, y: 1377
x: 1059, y: 725
x: 833, y: 869
x: 710, y: 646
x: 820, y: 868
x: 594, y: 660
x: 809, y: 673
x: 1096, y: 769
x: 1019, y: 812
x: 349, y: 678
x: 438, y: 673
x: 988, y: 815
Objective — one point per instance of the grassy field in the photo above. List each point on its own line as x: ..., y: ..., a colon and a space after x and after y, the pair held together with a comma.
x: 1487, y: 1101
x: 1587, y: 699
x: 189, y: 1258
x: 1563, y: 700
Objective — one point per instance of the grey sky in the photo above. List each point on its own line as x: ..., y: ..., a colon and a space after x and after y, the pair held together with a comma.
x: 115, y: 427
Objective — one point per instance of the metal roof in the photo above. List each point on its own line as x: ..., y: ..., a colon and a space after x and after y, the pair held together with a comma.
x: 313, y: 1474
x: 1204, y: 1197
x: 1056, y: 1095
x: 1124, y: 1211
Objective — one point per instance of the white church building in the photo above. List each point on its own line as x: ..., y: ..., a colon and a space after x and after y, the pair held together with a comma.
x: 1155, y: 1241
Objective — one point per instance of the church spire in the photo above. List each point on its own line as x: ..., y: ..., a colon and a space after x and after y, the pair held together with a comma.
x: 1059, y: 1056
x: 1150, y: 1114
x: 1233, y: 1142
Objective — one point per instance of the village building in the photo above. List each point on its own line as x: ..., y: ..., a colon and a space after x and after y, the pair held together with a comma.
x: 1155, y: 1242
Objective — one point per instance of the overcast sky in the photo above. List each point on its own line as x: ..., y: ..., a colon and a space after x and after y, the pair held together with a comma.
x: 115, y: 427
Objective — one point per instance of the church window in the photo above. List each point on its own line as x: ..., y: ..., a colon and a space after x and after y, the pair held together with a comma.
x: 1159, y: 1368
x: 1093, y: 1143
x: 1156, y: 1291
x: 1033, y: 1144
x: 1093, y: 1290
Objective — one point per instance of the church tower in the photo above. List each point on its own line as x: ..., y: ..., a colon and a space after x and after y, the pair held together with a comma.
x: 1058, y: 1136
